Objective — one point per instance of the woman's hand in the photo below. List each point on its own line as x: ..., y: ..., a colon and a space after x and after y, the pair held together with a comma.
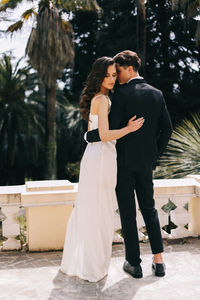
x: 135, y: 125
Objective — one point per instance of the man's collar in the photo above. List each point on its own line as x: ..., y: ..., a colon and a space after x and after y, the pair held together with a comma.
x: 137, y: 77
x: 131, y: 81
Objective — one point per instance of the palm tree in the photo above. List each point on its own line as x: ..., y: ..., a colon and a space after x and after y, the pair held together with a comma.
x: 182, y: 155
x: 20, y: 128
x: 191, y: 8
x: 50, y: 49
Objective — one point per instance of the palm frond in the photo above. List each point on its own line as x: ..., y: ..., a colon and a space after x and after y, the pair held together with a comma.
x: 66, y: 27
x: 74, y: 5
x: 28, y: 13
x: 48, y: 47
x: 20, y: 119
x: 16, y: 69
x: 16, y: 26
x: 182, y: 155
x: 6, y: 4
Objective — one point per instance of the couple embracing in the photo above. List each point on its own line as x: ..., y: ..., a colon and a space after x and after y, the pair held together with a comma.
x: 127, y: 132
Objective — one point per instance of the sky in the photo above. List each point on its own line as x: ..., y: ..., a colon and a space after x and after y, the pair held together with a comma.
x: 18, y: 40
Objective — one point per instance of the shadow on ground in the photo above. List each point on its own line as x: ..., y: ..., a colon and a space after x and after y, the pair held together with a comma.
x: 72, y: 288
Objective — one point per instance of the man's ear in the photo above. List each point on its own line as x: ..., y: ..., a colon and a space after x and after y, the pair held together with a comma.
x: 130, y: 69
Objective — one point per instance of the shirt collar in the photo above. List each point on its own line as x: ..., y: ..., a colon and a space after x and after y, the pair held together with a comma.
x: 137, y: 77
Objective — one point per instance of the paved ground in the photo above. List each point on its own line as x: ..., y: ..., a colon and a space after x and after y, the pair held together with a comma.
x: 25, y: 276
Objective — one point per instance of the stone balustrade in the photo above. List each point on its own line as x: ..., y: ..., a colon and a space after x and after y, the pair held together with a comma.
x: 10, y: 202
x: 178, y: 205
x: 49, y: 204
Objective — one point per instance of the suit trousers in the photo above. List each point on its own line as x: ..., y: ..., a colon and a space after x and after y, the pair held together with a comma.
x: 138, y: 180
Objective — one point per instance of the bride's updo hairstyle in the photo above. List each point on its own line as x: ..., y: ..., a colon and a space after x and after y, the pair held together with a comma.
x: 93, y: 83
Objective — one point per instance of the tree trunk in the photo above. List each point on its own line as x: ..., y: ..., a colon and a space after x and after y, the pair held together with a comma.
x: 141, y: 32
x: 163, y: 17
x: 50, y: 172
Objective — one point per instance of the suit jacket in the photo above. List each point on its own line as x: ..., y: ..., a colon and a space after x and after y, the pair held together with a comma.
x: 142, y: 147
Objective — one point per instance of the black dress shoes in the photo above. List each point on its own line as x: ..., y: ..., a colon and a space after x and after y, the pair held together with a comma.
x: 135, y: 271
x: 158, y: 269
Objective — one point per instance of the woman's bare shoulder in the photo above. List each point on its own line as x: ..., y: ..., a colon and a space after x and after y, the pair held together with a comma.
x: 98, y: 102
x: 100, y: 97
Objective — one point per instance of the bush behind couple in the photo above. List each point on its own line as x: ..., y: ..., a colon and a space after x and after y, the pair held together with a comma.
x: 125, y: 138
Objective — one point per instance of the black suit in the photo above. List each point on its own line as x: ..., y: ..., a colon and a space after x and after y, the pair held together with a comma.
x: 137, y: 152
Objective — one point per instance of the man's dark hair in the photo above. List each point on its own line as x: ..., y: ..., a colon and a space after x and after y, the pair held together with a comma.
x: 128, y: 58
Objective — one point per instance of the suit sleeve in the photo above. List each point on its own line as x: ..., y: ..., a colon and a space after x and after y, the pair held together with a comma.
x: 114, y: 118
x: 92, y: 136
x: 165, y: 128
x: 116, y: 112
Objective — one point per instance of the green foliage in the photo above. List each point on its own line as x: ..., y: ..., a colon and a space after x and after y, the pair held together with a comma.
x: 73, y: 170
x: 94, y: 37
x: 74, y: 5
x: 22, y: 122
x: 172, y: 58
x: 20, y: 126
x: 70, y: 143
x: 50, y: 44
x: 9, y: 4
x: 182, y: 155
x: 23, y: 229
x: 50, y: 49
x: 168, y: 207
x: 191, y: 9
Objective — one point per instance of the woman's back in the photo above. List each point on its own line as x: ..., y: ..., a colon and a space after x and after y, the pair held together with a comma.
x: 94, y: 120
x: 93, y: 116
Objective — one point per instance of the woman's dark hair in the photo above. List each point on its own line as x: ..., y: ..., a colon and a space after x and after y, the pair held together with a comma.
x: 128, y: 58
x: 93, y: 83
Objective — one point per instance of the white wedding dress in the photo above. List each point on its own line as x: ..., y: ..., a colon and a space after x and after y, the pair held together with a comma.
x: 90, y: 229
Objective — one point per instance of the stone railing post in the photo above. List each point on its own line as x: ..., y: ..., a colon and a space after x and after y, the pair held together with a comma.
x: 10, y: 201
x: 194, y: 207
x: 10, y: 228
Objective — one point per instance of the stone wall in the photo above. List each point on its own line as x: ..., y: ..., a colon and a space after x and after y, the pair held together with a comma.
x: 48, y: 205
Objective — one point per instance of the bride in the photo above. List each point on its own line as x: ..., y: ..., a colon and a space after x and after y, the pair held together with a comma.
x: 90, y: 229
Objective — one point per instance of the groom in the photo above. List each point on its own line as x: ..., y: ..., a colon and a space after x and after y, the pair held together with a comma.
x: 136, y: 155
